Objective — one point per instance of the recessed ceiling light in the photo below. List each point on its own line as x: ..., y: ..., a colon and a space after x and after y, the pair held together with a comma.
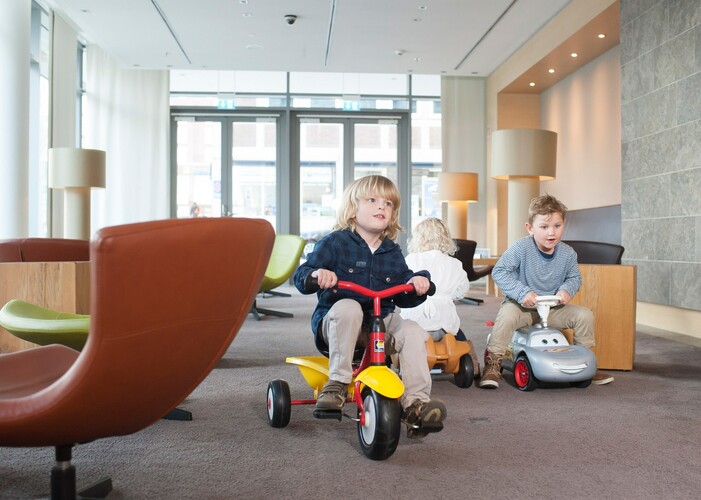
x: 551, y: 70
x: 417, y: 19
x: 254, y: 46
x: 417, y: 59
x: 532, y: 84
x: 246, y: 14
x: 423, y: 7
x: 573, y: 54
x: 243, y: 2
x: 85, y: 11
x: 601, y: 35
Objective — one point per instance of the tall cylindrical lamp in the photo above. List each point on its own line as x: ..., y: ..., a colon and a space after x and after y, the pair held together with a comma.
x: 75, y: 171
x: 458, y: 189
x: 524, y: 157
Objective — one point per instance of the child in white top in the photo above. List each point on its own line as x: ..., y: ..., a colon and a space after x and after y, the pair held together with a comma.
x: 430, y: 248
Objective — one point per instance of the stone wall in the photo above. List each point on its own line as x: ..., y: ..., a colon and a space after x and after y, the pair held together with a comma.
x: 661, y: 148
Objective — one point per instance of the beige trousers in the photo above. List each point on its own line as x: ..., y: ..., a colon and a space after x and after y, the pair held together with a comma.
x: 341, y: 329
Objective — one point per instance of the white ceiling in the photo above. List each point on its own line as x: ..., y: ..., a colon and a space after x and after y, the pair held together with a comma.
x: 346, y: 36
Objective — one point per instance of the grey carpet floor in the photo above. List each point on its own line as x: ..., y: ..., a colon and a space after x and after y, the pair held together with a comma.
x: 637, y: 438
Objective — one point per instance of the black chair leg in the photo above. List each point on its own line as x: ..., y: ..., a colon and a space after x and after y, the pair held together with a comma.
x: 99, y: 489
x: 63, y: 483
x: 270, y: 312
x: 471, y: 301
x: 178, y: 414
x: 257, y: 311
x: 254, y: 311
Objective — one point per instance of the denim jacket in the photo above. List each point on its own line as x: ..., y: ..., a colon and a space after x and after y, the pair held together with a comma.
x: 346, y: 253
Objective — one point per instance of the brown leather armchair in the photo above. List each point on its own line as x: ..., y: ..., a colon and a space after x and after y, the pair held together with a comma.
x: 168, y: 298
x: 44, y: 250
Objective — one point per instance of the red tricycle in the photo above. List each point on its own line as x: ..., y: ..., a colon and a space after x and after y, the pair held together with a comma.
x: 379, y: 412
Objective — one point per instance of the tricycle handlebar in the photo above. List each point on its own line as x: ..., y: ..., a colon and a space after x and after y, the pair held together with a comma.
x: 311, y: 284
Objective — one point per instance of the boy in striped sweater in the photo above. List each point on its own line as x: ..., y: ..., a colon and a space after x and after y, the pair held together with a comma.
x: 538, y: 264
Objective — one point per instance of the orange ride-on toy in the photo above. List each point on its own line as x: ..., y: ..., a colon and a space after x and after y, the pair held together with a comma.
x: 452, y: 356
x: 375, y: 388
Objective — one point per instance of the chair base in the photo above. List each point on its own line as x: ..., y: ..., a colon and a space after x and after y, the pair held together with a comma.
x: 63, y: 483
x: 274, y: 293
x: 257, y: 311
x: 178, y: 414
x: 471, y: 301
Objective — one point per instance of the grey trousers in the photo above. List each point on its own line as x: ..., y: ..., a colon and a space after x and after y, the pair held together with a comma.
x: 512, y: 315
x: 341, y: 329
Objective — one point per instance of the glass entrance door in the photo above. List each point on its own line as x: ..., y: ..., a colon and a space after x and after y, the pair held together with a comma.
x: 198, y: 168
x: 333, y: 151
x: 226, y: 166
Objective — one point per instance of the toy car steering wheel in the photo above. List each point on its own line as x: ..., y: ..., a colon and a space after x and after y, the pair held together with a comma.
x: 548, y: 300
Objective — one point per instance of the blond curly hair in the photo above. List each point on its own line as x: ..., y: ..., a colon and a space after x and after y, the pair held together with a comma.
x: 432, y: 234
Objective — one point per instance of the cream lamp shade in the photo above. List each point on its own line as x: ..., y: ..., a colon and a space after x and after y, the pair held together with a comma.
x: 75, y: 171
x: 523, y: 157
x: 458, y: 189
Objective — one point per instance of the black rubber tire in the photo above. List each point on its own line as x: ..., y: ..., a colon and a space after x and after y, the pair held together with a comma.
x: 379, y: 436
x: 581, y: 385
x: 279, y: 403
x: 523, y: 374
x: 466, y: 372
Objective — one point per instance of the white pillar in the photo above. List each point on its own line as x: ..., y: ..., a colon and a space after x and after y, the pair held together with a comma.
x: 14, y: 118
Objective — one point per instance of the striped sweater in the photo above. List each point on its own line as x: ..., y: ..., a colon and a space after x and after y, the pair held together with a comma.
x: 522, y: 268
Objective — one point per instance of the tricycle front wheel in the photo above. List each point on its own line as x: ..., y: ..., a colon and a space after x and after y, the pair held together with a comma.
x: 279, y: 403
x: 379, y: 433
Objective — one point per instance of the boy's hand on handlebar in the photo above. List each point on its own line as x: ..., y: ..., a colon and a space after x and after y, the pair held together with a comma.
x: 529, y: 300
x: 325, y: 278
x: 564, y: 296
x: 421, y: 284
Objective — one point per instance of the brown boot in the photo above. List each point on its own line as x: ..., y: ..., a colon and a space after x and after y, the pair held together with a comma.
x: 491, y: 375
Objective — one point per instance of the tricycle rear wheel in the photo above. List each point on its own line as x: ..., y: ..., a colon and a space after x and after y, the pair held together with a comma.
x: 379, y: 433
x: 279, y: 403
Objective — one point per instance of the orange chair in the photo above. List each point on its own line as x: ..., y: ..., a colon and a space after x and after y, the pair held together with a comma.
x: 167, y: 299
x: 44, y: 250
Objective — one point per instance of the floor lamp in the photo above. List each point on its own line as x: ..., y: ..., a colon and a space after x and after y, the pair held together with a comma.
x: 523, y: 157
x: 457, y: 189
x: 75, y: 171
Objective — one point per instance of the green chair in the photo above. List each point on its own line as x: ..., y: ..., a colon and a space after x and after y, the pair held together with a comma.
x: 284, y: 259
x: 45, y: 326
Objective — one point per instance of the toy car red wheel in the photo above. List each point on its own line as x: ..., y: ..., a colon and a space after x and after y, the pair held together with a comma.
x: 379, y: 433
x: 523, y: 375
x: 466, y: 372
x: 279, y: 403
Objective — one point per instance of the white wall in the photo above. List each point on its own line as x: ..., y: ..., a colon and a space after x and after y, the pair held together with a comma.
x: 585, y: 111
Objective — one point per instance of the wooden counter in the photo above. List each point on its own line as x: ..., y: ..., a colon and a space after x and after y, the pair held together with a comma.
x: 64, y: 286
x: 610, y: 291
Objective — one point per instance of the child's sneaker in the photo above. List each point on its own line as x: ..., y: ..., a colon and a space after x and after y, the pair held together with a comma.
x: 423, y: 417
x: 332, y: 396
